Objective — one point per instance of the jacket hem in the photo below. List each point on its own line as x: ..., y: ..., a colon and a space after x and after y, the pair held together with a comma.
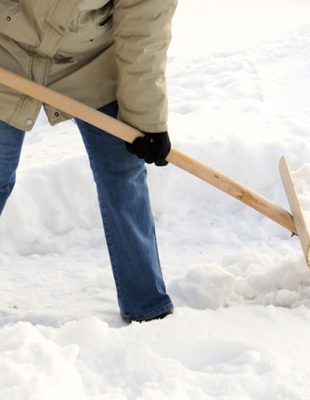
x: 148, y: 128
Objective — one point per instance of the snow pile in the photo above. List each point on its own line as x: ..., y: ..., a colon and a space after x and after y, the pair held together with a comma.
x: 33, y: 367
x: 54, y: 196
x: 203, y: 287
x: 200, y: 355
x: 239, y: 99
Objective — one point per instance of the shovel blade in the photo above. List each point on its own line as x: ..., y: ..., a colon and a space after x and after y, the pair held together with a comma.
x: 300, y: 220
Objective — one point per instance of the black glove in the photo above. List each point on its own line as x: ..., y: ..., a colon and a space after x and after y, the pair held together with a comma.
x: 152, y: 147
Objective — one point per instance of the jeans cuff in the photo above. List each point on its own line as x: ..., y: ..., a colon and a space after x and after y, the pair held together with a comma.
x: 149, y: 315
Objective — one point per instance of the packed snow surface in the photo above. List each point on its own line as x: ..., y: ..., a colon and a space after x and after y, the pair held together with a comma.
x: 239, y: 84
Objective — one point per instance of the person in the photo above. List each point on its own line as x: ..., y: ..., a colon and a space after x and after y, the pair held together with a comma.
x: 110, y: 55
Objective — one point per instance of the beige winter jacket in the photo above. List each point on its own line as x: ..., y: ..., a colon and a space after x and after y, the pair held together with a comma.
x: 95, y: 51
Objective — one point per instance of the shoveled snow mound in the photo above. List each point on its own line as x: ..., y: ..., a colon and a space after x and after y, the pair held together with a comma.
x: 194, y: 355
x: 203, y: 287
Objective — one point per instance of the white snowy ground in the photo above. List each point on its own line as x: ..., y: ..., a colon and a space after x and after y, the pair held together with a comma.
x: 239, y: 84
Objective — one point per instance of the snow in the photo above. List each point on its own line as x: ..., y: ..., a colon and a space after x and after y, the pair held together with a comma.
x: 238, y: 81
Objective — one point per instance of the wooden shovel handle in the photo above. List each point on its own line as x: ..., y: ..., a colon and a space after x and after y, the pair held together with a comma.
x: 234, y: 189
x: 128, y: 133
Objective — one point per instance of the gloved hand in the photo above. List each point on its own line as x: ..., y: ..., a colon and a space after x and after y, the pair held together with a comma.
x: 152, y: 147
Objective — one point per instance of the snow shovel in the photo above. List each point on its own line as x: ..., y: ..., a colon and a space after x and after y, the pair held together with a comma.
x: 295, y: 223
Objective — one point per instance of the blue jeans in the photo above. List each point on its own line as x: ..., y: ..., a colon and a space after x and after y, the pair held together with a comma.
x: 122, y: 190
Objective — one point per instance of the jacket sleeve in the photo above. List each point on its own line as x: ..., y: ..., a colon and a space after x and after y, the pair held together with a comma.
x: 142, y: 33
